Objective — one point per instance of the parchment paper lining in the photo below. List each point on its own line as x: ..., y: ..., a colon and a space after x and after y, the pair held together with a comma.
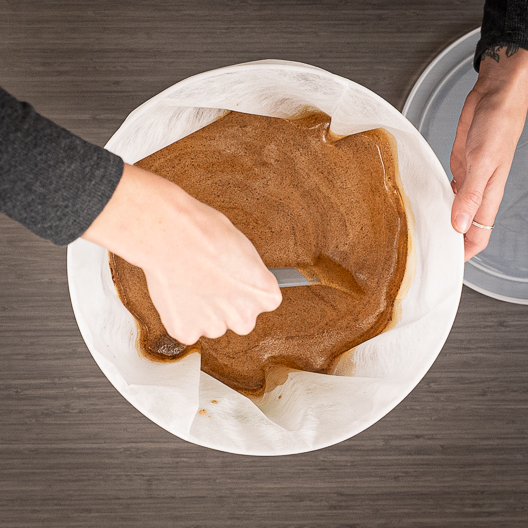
x: 309, y: 411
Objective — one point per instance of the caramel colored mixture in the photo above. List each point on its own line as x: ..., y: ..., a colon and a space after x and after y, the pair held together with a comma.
x: 324, y: 206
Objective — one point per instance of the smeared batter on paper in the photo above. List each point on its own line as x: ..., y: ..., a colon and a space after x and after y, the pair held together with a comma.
x: 304, y: 200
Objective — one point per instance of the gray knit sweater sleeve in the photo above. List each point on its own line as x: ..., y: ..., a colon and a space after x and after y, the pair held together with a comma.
x: 505, y: 22
x: 51, y: 181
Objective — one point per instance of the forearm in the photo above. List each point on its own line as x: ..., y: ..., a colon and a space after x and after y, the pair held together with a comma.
x: 143, y: 207
x: 204, y: 276
x: 51, y: 181
x: 507, y: 71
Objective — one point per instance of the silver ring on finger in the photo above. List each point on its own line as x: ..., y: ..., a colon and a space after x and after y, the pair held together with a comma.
x: 482, y: 226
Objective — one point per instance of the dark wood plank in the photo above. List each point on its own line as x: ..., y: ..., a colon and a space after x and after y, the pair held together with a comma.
x: 74, y: 453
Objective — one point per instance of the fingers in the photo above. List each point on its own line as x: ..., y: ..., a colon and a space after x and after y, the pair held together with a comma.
x: 490, y: 125
x: 480, y: 163
x: 215, y: 328
x: 475, y: 240
x: 458, y: 154
x: 477, y: 199
x: 244, y: 320
x: 189, y: 332
x: 212, y: 327
x: 188, y: 317
x: 478, y: 174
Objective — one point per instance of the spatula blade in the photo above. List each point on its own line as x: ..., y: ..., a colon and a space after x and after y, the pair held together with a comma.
x: 288, y: 277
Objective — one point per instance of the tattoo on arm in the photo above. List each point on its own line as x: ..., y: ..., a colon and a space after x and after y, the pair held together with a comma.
x: 493, y: 52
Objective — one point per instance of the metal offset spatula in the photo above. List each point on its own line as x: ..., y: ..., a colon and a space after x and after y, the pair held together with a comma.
x: 287, y: 277
x: 323, y: 271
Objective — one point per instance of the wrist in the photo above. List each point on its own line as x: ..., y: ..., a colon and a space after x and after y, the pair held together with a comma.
x: 507, y: 73
x: 142, y: 207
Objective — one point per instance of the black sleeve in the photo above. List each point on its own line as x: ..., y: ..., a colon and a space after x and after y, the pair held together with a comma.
x: 51, y: 181
x: 505, y: 22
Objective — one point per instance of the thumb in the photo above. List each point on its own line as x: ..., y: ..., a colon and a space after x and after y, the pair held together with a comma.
x: 482, y: 185
x: 481, y: 192
x: 467, y: 202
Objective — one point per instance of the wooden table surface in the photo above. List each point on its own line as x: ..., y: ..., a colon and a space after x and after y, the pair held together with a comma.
x: 74, y: 453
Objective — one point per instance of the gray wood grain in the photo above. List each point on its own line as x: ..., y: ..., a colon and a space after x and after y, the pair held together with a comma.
x: 74, y: 453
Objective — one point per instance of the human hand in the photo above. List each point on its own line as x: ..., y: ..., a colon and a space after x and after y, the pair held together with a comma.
x: 204, y: 276
x: 489, y: 128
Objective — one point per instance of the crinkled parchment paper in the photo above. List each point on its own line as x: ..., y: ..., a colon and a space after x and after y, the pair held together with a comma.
x: 308, y: 411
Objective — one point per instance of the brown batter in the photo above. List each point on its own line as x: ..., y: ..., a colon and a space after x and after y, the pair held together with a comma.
x: 328, y: 207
